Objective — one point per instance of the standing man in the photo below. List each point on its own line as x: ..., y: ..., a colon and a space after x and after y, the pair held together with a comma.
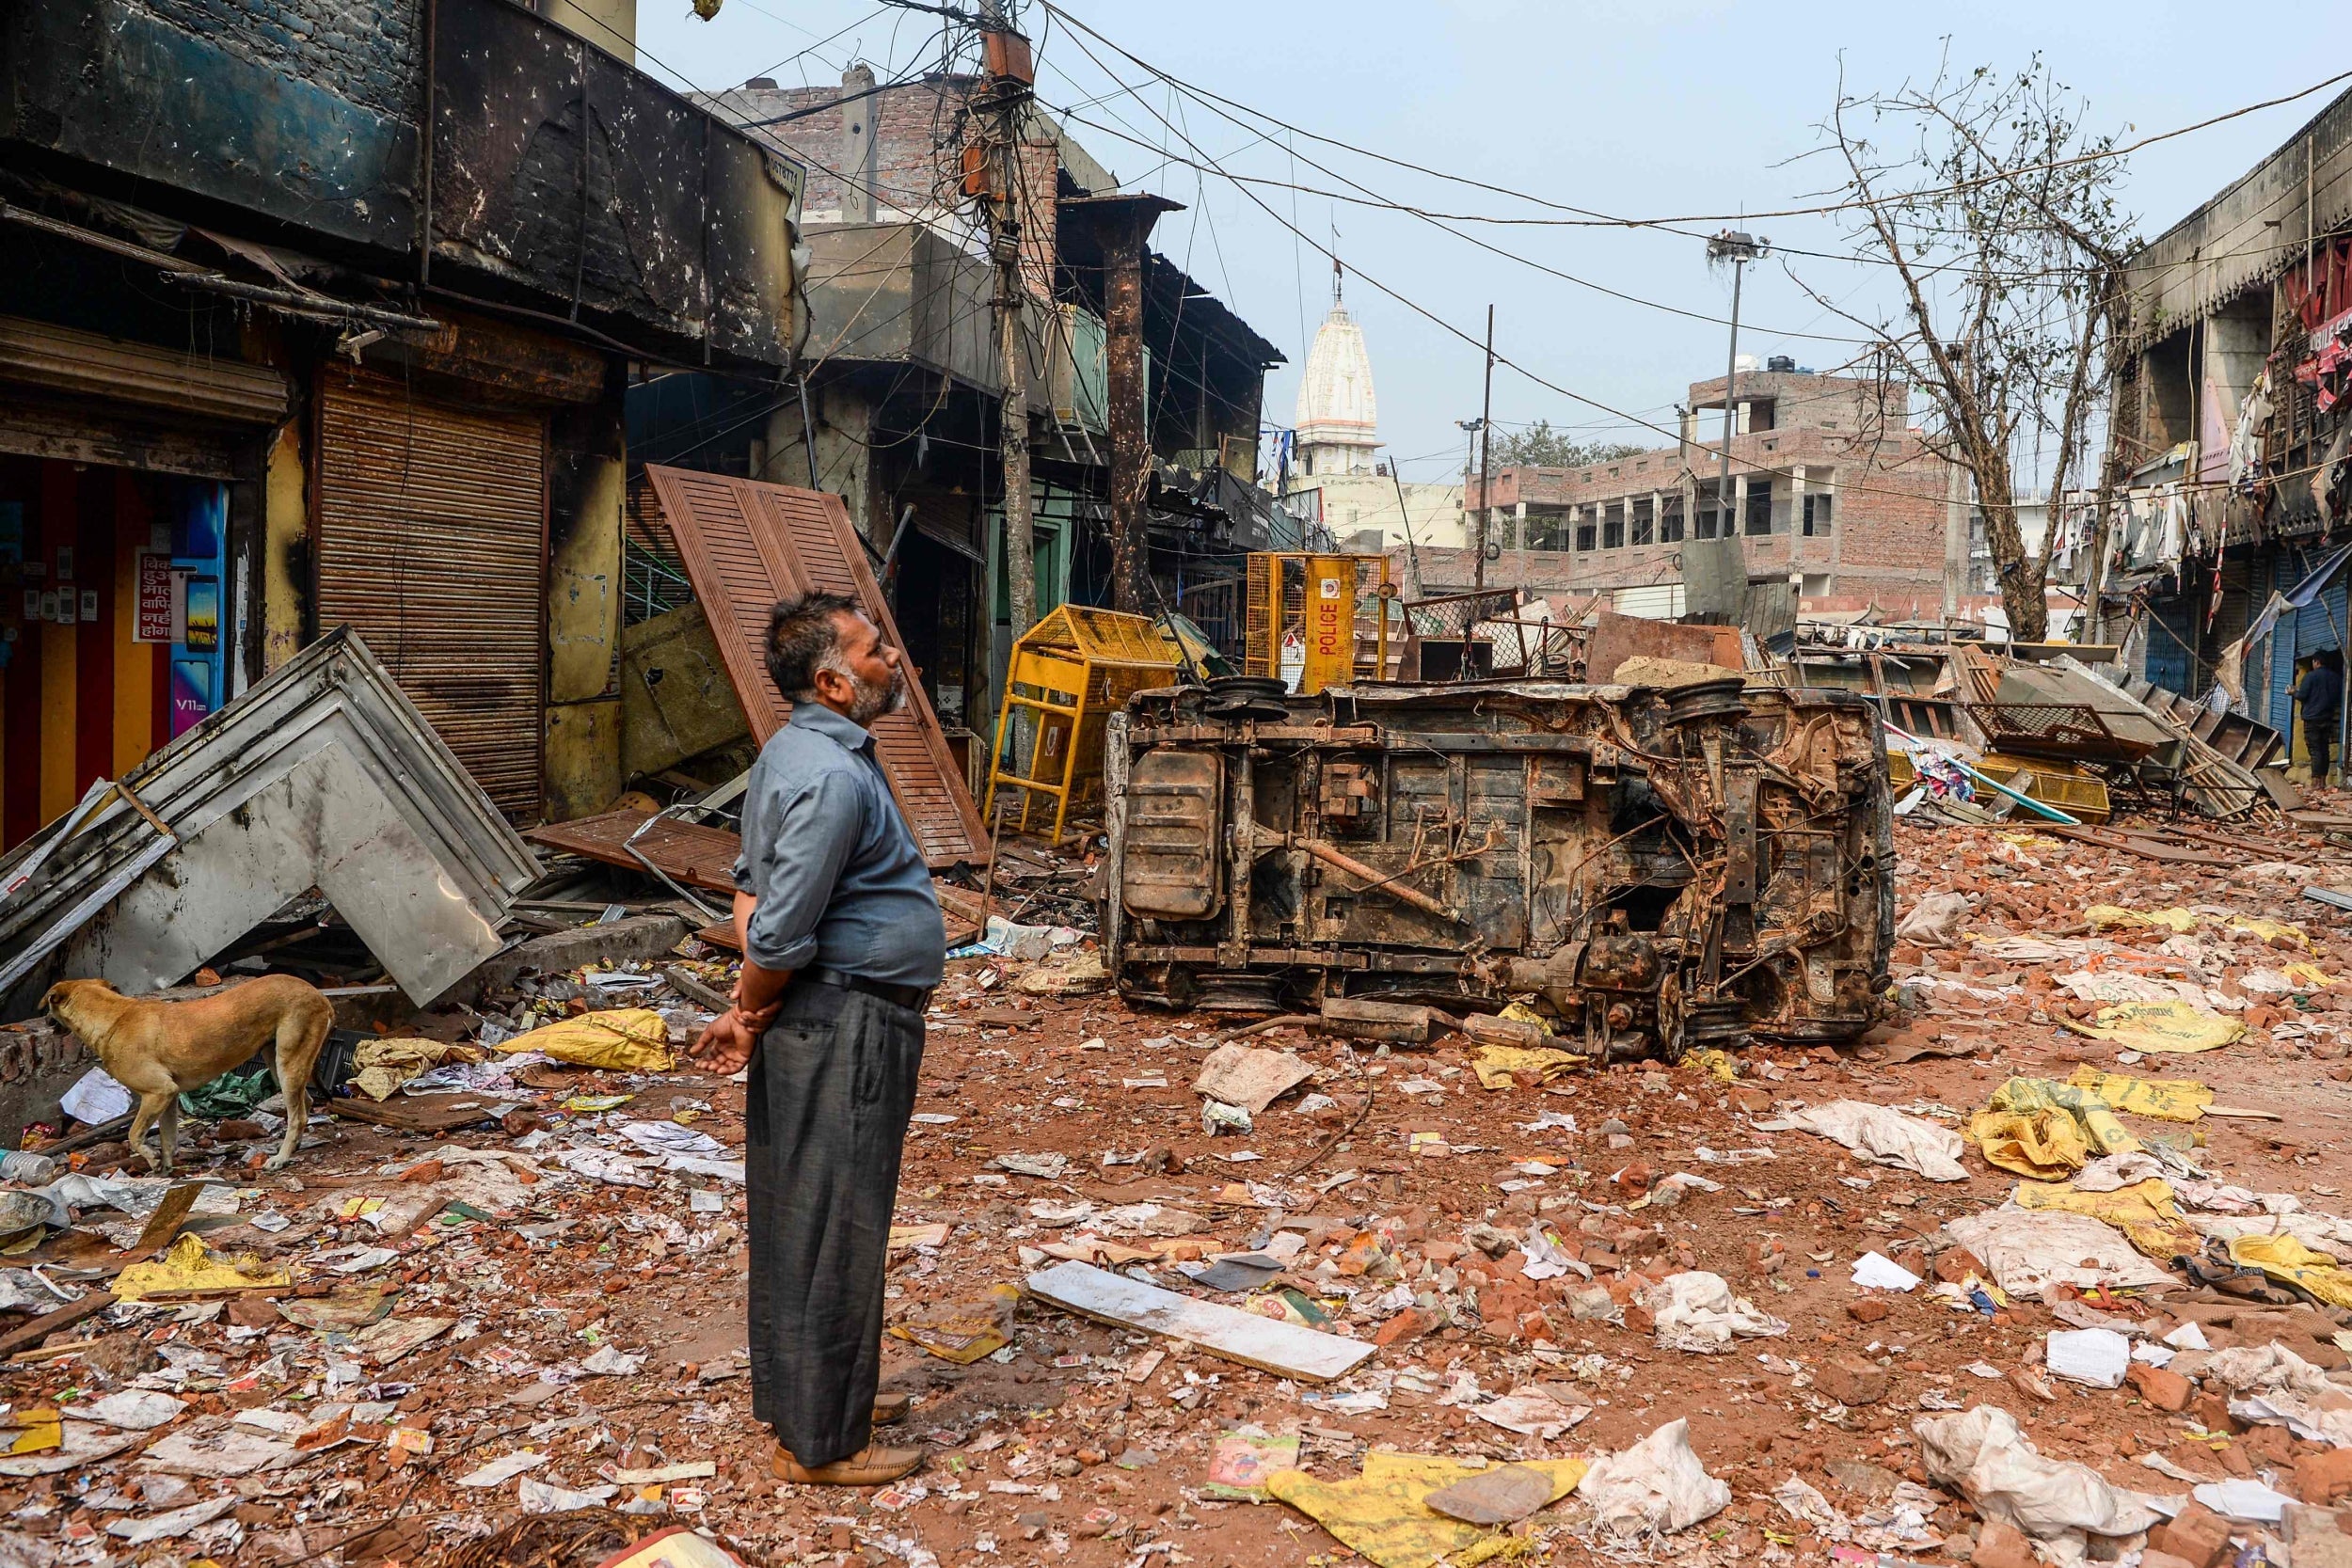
x: 842, y: 944
x: 2320, y: 694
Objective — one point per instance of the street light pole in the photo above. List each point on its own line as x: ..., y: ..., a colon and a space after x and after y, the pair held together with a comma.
x: 1738, y: 250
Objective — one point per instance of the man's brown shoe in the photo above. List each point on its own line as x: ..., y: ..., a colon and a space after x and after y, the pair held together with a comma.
x: 872, y: 1465
x: 892, y: 1407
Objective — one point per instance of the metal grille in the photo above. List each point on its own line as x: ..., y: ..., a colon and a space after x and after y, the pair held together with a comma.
x: 431, y: 540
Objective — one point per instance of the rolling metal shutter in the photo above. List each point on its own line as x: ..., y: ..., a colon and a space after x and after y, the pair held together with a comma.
x: 747, y: 545
x: 432, y: 541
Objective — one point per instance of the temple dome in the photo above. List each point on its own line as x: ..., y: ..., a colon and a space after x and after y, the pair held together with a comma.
x: 1339, y: 417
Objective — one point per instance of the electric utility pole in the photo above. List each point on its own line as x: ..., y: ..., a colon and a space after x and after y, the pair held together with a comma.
x: 1004, y: 101
x: 1486, y: 452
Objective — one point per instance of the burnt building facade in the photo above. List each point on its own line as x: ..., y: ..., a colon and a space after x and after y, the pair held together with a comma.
x: 905, y: 389
x: 350, y: 345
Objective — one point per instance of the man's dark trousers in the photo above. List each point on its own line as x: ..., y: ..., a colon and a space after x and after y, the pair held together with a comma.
x: 828, y: 1098
x: 2319, y: 740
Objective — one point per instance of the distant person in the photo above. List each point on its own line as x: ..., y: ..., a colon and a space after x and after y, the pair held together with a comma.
x: 2320, y: 695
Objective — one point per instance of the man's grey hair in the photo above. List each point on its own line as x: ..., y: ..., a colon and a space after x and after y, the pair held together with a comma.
x: 803, y: 637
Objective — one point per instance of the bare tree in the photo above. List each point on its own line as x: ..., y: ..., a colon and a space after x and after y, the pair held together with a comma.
x: 1995, y: 213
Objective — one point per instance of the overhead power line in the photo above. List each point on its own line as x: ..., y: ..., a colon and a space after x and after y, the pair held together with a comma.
x: 1588, y: 217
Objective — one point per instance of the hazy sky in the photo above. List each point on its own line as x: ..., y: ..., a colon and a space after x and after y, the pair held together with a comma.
x: 1660, y: 108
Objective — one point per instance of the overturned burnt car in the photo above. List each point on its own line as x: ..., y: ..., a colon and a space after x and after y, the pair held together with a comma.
x: 1661, y: 869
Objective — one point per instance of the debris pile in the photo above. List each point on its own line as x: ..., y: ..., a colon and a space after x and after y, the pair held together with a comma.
x: 2050, y: 1261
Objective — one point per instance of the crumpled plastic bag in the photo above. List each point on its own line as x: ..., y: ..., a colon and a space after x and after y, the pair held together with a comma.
x: 1934, y: 920
x: 619, y: 1040
x: 2027, y: 1250
x: 1882, y: 1137
x: 2168, y: 1026
x: 1981, y: 1453
x: 2166, y: 1098
x: 2145, y: 1211
x: 1656, y: 1486
x: 1697, y: 1312
x: 1382, y: 1514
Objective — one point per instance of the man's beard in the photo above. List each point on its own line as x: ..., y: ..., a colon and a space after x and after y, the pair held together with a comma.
x: 870, y: 702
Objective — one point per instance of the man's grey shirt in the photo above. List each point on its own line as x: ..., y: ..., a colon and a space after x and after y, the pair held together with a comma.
x: 839, y: 880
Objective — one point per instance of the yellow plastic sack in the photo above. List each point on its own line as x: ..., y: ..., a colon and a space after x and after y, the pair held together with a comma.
x: 619, y: 1040
x: 2289, y: 1262
x: 2048, y: 1144
x: 1519, y: 1012
x: 2101, y: 1131
x: 2166, y: 1098
x: 2167, y: 1026
x: 2146, y: 1212
x: 1717, y: 1064
x: 1495, y: 1064
x: 2103, y: 916
x: 2304, y: 973
x: 190, y: 1265
x: 2271, y: 930
x: 1382, y: 1514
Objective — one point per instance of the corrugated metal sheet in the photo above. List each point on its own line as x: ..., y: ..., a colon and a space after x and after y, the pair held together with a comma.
x: 747, y: 545
x: 432, y: 544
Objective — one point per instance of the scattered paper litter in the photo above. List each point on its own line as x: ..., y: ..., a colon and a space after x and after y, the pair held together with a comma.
x: 498, y: 1472
x: 165, y: 1526
x: 2096, y: 1356
x: 133, y: 1409
x: 539, y: 1497
x: 2251, y: 1500
x: 1532, y: 1412
x: 1874, y: 1272
x: 608, y: 1361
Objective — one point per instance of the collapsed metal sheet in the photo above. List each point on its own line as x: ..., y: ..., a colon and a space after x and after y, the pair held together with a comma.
x: 1664, y: 868
x: 323, y: 776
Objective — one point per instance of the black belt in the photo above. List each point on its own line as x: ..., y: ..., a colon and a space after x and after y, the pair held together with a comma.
x: 903, y: 996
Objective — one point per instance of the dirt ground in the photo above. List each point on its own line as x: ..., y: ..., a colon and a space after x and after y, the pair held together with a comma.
x: 1088, y: 1444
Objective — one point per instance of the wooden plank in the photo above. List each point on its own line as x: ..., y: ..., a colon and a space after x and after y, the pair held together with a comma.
x: 50, y: 1323
x: 1269, y: 1344
x: 694, y: 854
x: 746, y: 545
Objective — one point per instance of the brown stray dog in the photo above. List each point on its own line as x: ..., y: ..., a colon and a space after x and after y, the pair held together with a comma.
x: 158, y: 1049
